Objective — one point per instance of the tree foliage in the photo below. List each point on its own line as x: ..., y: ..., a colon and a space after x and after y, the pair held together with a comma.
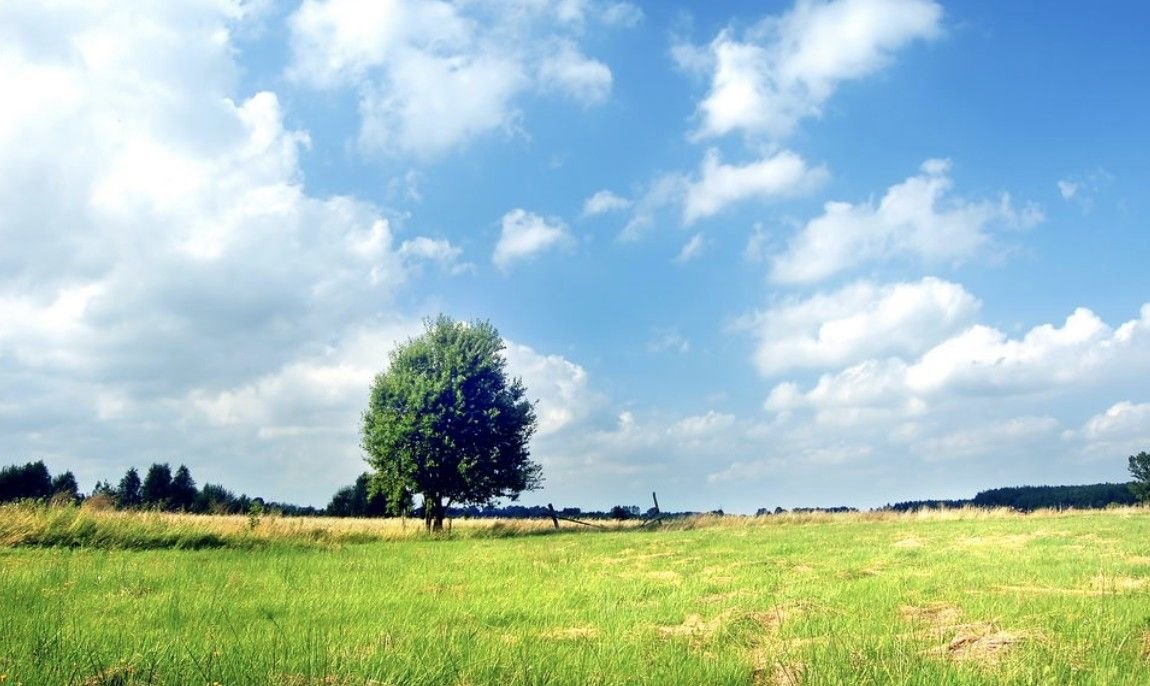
x: 446, y: 422
x: 128, y: 492
x: 359, y: 500
x: 157, y: 487
x: 64, y: 487
x: 182, y: 495
x: 1140, y: 470
x: 30, y: 481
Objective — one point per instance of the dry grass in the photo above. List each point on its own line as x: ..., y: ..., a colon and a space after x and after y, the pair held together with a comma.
x: 45, y: 525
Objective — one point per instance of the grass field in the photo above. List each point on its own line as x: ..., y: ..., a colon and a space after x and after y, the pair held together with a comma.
x: 960, y: 597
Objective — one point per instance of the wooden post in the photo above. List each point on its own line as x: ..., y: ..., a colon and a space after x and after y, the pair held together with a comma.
x: 551, y: 511
x: 656, y: 499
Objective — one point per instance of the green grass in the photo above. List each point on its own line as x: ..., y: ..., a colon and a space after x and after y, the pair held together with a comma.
x: 950, y: 598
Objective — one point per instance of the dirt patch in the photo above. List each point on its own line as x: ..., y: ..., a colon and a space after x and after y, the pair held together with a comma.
x: 802, y: 569
x: 983, y: 644
x: 665, y: 576
x: 571, y: 633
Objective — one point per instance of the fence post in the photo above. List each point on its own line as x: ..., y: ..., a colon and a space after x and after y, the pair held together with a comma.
x: 551, y: 511
x: 656, y: 499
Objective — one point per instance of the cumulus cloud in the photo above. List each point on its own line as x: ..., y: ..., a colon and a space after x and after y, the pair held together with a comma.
x: 585, y: 80
x: 918, y: 218
x: 603, y: 202
x: 176, y: 254
x: 524, y: 235
x: 560, y: 387
x: 784, y: 69
x: 432, y: 76
x: 440, y: 251
x: 1123, y: 419
x: 856, y: 322
x: 1122, y: 430
x: 719, y: 185
x: 983, y: 362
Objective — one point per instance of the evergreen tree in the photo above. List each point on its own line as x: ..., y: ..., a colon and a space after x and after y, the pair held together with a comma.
x: 157, y: 487
x: 128, y: 492
x: 183, y: 492
x: 31, y: 481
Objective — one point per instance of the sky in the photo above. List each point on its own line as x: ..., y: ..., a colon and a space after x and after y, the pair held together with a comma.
x: 744, y: 254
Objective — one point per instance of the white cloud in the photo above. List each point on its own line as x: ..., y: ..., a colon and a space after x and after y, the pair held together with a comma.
x: 1068, y: 189
x: 782, y: 175
x: 433, y: 75
x: 440, y: 251
x: 176, y: 253
x: 559, y: 385
x: 622, y: 14
x: 785, y: 68
x: 856, y: 322
x: 603, y: 202
x: 525, y: 235
x: 1122, y: 420
x: 691, y: 249
x: 918, y: 218
x: 585, y: 80
x: 432, y: 104
x: 1122, y: 430
x: 718, y: 186
x: 982, y: 362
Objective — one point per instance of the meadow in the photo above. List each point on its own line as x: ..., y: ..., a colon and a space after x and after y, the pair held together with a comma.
x: 941, y: 597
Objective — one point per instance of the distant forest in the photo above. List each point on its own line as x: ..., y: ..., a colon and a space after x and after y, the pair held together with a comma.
x: 1030, y: 498
x: 164, y: 490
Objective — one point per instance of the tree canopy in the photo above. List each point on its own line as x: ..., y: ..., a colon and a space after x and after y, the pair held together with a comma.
x: 446, y: 422
x: 1140, y: 470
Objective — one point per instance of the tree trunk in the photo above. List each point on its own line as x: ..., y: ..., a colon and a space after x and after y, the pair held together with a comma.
x: 433, y: 513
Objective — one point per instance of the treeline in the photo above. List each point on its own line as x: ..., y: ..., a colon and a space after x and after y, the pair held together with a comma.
x: 764, y: 512
x: 159, y: 489
x: 33, y: 481
x: 1030, y: 498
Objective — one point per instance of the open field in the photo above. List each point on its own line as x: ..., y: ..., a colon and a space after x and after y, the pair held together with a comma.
x: 961, y: 597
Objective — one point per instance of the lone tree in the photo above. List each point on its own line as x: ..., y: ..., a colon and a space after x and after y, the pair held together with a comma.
x: 1140, y: 470
x: 446, y: 422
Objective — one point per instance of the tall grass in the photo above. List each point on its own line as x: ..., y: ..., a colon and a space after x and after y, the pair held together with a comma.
x: 38, y: 524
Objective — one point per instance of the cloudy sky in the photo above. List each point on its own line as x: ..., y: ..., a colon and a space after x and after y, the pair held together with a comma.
x: 745, y: 254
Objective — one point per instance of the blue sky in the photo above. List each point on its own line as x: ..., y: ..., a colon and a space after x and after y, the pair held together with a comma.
x: 746, y: 255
